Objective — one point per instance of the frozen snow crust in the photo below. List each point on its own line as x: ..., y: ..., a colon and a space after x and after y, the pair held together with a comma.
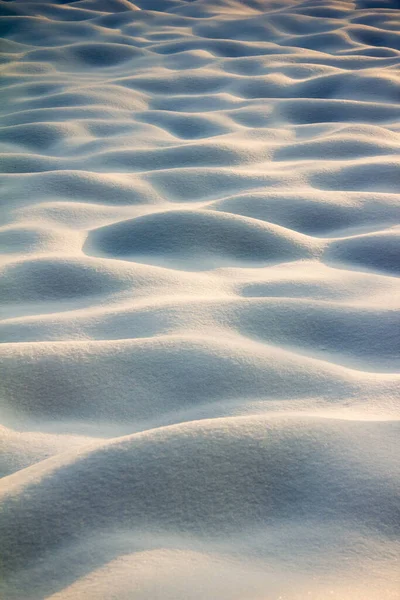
x: 200, y: 240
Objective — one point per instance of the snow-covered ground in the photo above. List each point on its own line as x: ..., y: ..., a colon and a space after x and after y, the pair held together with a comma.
x: 200, y: 255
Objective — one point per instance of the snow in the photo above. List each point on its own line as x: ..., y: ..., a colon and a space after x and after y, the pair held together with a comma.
x: 200, y: 357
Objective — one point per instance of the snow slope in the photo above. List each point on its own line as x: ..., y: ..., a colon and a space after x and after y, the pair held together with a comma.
x: 200, y: 358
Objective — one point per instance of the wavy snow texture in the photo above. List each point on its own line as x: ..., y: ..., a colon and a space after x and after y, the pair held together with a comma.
x: 199, y: 304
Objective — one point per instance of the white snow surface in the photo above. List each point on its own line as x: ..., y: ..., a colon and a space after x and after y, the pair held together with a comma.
x: 200, y: 289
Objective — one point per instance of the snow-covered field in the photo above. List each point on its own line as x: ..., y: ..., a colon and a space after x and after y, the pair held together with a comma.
x: 200, y: 256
